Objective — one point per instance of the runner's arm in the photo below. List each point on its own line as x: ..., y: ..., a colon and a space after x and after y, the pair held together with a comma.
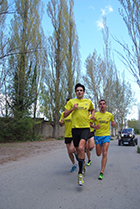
x: 92, y: 125
x: 92, y: 114
x: 61, y: 123
x: 113, y: 123
x: 67, y: 112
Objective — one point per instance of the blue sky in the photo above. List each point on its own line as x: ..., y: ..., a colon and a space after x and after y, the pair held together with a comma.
x: 88, y: 20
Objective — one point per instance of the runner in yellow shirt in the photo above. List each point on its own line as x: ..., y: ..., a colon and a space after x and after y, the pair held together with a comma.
x: 102, y: 136
x: 79, y: 109
x: 68, y: 139
x: 90, y: 142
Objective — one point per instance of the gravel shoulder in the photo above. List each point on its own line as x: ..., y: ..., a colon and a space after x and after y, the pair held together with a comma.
x: 17, y: 151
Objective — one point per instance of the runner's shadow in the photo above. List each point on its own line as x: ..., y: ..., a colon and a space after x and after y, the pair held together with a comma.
x: 79, y: 188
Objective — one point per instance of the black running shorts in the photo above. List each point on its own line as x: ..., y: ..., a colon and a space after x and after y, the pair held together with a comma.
x: 78, y: 134
x: 68, y: 140
x: 91, y: 134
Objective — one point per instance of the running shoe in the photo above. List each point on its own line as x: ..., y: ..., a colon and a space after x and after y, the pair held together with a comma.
x: 80, y: 179
x: 73, y: 169
x: 101, y: 176
x: 89, y: 163
x: 84, y: 169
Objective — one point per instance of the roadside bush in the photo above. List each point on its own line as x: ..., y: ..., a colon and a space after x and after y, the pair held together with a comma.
x: 60, y: 138
x: 138, y: 149
x: 137, y: 131
x: 12, y: 129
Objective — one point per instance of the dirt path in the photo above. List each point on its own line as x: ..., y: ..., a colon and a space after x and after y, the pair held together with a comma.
x: 17, y: 151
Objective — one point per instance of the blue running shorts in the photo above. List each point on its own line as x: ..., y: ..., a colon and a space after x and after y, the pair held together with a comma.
x: 102, y: 139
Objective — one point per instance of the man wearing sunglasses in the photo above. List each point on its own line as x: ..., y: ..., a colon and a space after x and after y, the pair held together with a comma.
x: 79, y: 109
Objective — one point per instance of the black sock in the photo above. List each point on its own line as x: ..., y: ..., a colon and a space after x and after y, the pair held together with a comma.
x: 81, y: 162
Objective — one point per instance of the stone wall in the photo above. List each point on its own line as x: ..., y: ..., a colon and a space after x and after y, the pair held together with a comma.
x: 45, y: 129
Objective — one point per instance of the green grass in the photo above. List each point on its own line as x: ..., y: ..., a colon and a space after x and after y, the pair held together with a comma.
x: 60, y: 138
x: 138, y: 149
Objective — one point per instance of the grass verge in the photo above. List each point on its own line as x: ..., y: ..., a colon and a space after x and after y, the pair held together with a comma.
x: 138, y: 149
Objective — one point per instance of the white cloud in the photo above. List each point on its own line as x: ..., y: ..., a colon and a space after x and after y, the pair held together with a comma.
x: 104, y: 11
x: 107, y: 10
x: 110, y: 9
x: 91, y: 7
x: 100, y: 24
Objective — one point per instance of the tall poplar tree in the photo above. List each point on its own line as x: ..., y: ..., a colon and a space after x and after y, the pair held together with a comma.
x: 72, y: 57
x: 130, y: 13
x: 25, y: 63
x: 93, y: 78
x: 108, y: 79
x: 62, y: 62
x: 55, y: 12
x: 3, y: 41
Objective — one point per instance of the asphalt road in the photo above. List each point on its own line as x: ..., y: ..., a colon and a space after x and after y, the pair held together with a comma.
x: 44, y: 182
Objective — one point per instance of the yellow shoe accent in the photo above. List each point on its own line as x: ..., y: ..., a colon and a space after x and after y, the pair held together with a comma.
x: 80, y: 179
x: 84, y: 168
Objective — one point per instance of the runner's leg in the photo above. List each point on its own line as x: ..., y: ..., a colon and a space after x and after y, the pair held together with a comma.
x: 98, y: 149
x: 72, y: 148
x: 71, y: 156
x: 104, y: 156
x: 88, y: 150
x: 81, y: 154
x: 91, y: 143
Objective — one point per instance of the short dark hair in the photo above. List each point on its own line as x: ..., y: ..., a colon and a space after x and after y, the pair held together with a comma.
x: 67, y: 100
x: 102, y: 100
x: 79, y: 85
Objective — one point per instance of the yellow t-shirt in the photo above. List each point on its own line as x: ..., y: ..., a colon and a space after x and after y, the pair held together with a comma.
x: 91, y: 121
x: 67, y: 124
x: 80, y: 116
x: 103, y: 119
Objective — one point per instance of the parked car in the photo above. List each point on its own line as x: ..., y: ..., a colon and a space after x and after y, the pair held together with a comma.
x: 127, y: 136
